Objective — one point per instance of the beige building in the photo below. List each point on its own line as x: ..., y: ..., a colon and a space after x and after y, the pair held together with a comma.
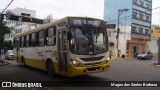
x: 155, y: 31
x: 152, y: 44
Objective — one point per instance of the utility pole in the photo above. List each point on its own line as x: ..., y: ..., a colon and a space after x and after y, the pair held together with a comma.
x: 1, y: 22
x: 158, y: 51
x: 1, y: 25
x: 120, y: 12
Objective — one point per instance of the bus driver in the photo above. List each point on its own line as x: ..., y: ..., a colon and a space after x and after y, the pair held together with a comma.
x: 81, y: 39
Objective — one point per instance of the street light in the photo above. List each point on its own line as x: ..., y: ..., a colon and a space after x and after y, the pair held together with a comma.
x: 120, y: 12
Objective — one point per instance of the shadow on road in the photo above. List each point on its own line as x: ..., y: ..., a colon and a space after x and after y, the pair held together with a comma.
x: 64, y: 78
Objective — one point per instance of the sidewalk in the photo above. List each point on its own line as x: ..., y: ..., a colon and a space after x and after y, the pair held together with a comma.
x: 2, y: 62
x: 118, y: 58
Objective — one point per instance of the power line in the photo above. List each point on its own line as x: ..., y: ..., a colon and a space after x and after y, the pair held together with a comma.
x: 4, y: 3
x: 129, y: 18
x: 131, y: 15
x: 7, y: 6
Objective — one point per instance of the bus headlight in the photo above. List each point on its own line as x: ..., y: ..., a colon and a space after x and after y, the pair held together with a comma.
x: 76, y: 63
x: 106, y: 60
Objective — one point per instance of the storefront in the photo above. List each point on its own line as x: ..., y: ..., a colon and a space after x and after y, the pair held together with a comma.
x: 136, y: 45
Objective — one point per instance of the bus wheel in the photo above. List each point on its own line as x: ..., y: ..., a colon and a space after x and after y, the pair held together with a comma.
x: 50, y: 70
x: 23, y: 62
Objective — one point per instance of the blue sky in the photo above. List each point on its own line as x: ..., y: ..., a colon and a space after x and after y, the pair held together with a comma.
x: 62, y: 8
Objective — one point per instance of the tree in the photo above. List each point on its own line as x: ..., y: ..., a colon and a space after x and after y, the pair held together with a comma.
x: 5, y: 30
x: 8, y: 44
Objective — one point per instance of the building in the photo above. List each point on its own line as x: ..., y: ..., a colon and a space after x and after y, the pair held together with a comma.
x: 23, y: 27
x: 123, y: 37
x: 153, y: 46
x: 137, y: 19
x: 12, y: 24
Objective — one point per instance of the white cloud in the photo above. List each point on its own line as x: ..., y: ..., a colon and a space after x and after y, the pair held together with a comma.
x: 63, y: 8
x: 156, y: 12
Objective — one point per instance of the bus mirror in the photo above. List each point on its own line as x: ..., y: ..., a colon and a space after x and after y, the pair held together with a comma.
x: 69, y: 35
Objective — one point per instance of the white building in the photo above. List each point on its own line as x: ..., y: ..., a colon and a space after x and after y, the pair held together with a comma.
x: 124, y: 36
x: 23, y: 27
x: 13, y: 24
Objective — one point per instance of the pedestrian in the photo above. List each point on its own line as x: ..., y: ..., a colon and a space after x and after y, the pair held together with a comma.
x: 134, y: 54
x: 110, y: 54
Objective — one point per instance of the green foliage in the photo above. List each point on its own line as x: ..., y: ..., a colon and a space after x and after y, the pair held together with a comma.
x: 8, y: 43
x: 4, y: 30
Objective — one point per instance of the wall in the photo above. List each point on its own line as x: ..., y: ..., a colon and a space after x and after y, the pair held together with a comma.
x: 125, y: 34
x: 152, y: 45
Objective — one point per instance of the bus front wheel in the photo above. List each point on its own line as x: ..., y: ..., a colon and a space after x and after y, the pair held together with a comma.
x: 50, y: 69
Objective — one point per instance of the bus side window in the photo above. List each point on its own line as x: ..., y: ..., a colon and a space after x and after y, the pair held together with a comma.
x: 24, y: 42
x: 15, y: 43
x: 33, y: 39
x: 41, y: 38
x: 27, y: 40
x: 54, y: 30
x: 51, y: 36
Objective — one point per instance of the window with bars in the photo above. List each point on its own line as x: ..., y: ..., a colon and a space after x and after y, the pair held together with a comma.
x: 141, y: 3
x: 147, y: 5
x: 135, y: 1
x: 140, y: 30
x: 134, y: 28
x: 147, y: 18
x: 141, y: 16
x: 134, y: 14
x: 146, y: 31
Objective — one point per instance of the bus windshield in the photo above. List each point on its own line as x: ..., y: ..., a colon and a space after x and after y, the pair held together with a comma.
x: 86, y: 41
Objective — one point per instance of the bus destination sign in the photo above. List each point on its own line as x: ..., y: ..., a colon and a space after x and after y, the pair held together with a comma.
x: 85, y: 22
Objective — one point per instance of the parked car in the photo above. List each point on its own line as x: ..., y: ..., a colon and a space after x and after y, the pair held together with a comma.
x: 9, y: 54
x: 147, y: 55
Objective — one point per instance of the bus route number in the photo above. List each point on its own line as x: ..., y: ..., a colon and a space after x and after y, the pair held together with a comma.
x: 77, y: 22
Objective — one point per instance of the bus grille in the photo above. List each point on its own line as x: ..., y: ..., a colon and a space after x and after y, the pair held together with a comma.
x: 93, y: 69
x: 92, y: 64
x: 92, y: 59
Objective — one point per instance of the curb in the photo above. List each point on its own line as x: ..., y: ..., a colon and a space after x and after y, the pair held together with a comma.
x: 156, y: 65
x: 3, y: 63
x: 120, y: 58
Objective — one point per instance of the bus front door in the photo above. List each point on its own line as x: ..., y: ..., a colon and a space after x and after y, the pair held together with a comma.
x: 62, y: 51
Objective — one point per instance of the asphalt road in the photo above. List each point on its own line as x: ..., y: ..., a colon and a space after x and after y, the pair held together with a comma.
x: 121, y: 70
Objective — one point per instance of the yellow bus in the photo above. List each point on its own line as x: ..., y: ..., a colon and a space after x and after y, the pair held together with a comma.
x: 70, y: 46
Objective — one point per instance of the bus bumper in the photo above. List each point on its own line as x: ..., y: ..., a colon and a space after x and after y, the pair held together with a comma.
x: 76, y: 71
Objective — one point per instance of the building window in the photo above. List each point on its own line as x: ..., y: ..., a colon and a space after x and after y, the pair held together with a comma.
x: 146, y: 31
x: 140, y: 30
x: 140, y: 16
x: 134, y: 28
x: 141, y: 3
x: 134, y: 14
x: 135, y: 1
x: 147, y: 18
x: 147, y: 5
